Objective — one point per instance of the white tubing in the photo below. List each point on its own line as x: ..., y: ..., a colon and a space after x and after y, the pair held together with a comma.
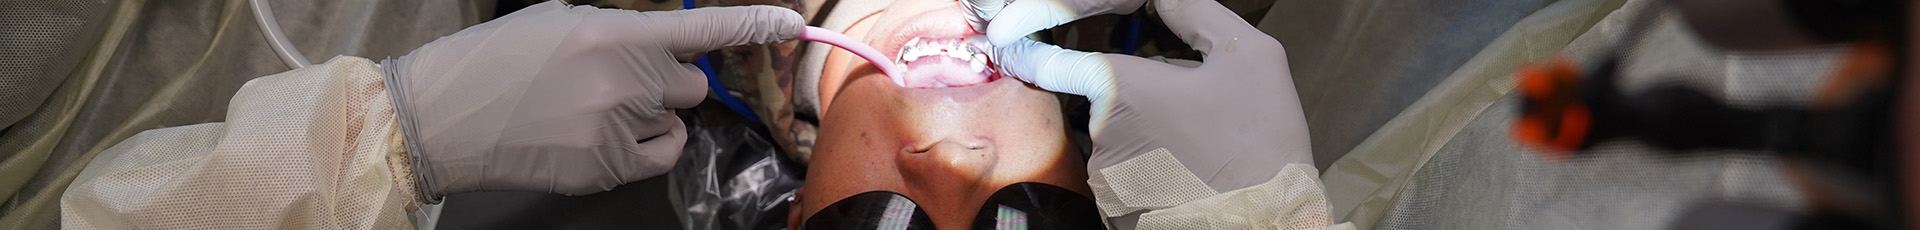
x: 276, y: 38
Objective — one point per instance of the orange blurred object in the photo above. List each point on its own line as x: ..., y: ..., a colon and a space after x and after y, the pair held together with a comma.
x: 1554, y: 118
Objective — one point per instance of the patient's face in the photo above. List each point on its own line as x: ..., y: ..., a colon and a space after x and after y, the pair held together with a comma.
x: 946, y: 147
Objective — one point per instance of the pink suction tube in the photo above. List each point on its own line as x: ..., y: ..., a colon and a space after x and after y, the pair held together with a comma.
x: 866, y: 52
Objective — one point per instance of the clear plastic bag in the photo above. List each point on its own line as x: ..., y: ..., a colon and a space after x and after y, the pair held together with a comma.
x: 732, y: 177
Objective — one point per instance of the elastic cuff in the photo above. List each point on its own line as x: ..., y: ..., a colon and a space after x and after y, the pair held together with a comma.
x: 401, y: 166
x: 403, y: 111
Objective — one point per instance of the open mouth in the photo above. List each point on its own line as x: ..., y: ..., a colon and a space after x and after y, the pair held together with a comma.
x: 937, y: 49
x: 945, y: 62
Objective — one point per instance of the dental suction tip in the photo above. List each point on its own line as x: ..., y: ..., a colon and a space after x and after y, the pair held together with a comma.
x: 865, y: 52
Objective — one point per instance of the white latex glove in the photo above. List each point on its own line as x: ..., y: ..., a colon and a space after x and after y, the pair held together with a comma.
x: 563, y: 99
x: 1233, y: 121
x: 980, y: 11
x: 1006, y: 21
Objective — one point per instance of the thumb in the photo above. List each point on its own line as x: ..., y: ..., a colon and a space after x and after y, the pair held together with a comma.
x: 707, y: 29
x: 1070, y: 71
x: 1024, y: 17
x: 980, y: 11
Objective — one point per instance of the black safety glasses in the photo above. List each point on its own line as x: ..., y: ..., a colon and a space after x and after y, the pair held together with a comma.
x: 1026, y: 205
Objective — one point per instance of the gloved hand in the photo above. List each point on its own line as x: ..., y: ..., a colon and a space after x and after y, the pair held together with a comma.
x: 563, y: 99
x: 1006, y: 21
x: 1232, y: 121
x: 980, y: 11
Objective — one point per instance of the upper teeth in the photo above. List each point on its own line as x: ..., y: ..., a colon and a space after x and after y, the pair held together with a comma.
x: 968, y: 50
x: 953, y: 48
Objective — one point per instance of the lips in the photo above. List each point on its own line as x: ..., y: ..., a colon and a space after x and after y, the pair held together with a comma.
x: 939, y: 50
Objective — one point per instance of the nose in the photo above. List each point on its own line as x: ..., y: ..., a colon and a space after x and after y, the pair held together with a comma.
x: 952, y: 161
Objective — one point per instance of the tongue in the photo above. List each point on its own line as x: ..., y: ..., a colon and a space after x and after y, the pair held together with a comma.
x: 942, y: 72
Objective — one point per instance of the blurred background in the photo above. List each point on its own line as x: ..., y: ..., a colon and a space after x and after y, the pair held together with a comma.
x: 1451, y: 114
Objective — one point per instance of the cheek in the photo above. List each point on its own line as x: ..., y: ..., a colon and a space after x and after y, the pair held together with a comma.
x: 852, y: 152
x: 843, y: 165
x: 1038, y: 112
x: 1030, y: 129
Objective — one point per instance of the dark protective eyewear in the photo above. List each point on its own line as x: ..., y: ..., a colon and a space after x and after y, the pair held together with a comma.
x: 1025, y: 205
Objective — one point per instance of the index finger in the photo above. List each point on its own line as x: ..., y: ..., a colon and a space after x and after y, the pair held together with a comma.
x: 707, y: 29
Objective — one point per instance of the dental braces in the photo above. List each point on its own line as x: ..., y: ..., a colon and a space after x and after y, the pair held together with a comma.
x: 971, y: 49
